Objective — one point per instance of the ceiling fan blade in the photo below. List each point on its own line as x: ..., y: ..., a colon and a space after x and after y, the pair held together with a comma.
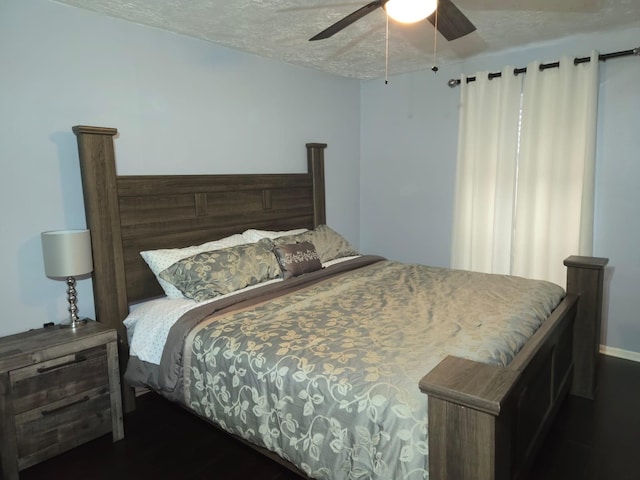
x: 348, y: 20
x: 452, y: 23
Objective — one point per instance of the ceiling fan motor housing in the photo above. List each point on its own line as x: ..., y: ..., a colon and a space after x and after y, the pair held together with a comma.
x: 452, y: 23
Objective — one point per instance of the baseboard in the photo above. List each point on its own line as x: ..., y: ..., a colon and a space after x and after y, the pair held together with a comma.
x: 620, y: 353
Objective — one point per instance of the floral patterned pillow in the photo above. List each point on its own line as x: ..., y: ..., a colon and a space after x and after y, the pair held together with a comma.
x: 329, y: 244
x: 211, y: 274
x: 158, y: 260
x: 297, y: 258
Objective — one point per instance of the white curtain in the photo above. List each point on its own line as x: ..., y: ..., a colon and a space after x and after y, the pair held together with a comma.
x: 525, y: 172
x: 554, y: 209
x: 486, y: 170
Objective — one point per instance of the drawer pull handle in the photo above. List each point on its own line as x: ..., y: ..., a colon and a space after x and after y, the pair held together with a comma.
x: 55, y: 410
x: 78, y: 359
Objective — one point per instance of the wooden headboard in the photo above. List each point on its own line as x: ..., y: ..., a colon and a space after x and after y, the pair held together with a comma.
x: 130, y: 214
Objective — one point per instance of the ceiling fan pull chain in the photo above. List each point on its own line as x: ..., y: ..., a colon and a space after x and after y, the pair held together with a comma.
x: 386, y: 54
x: 435, y: 44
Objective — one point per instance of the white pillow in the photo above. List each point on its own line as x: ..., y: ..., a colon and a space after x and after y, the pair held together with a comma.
x: 253, y: 236
x: 159, y: 260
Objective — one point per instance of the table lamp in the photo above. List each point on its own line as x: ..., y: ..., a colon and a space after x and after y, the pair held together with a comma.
x: 67, y: 254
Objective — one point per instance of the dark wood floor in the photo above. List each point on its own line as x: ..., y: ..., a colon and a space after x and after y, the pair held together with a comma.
x: 591, y: 440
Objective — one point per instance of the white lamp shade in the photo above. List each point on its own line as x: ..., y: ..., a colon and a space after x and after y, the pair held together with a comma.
x: 410, y: 11
x: 67, y: 253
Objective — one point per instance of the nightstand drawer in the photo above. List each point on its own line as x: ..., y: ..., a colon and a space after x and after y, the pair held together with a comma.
x: 48, y: 382
x: 58, y: 426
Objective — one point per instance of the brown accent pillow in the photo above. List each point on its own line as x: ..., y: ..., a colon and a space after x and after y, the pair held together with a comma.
x: 297, y: 258
x: 328, y: 243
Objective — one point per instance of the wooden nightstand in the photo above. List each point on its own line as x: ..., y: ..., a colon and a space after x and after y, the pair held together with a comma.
x: 59, y: 388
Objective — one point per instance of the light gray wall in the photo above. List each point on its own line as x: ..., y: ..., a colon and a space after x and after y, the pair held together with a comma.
x: 185, y: 105
x: 180, y: 104
x: 409, y: 134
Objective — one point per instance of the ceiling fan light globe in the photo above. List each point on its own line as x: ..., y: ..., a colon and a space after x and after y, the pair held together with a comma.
x: 410, y: 11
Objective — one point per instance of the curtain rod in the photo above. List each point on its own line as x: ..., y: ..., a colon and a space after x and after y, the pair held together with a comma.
x: 454, y: 82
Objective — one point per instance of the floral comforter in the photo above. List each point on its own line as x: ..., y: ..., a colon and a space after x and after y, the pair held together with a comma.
x: 327, y: 376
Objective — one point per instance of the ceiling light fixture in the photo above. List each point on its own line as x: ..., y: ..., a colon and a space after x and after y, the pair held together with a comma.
x: 410, y: 11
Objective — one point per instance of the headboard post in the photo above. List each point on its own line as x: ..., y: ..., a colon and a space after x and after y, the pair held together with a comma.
x: 315, y: 159
x: 100, y: 190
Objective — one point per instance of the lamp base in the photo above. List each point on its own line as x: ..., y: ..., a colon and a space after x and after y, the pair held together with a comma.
x: 74, y: 323
x: 72, y: 297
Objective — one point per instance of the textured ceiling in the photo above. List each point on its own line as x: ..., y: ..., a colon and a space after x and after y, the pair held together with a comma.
x: 280, y: 29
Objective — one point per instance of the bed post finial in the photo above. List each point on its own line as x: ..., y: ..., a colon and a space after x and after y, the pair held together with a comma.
x: 315, y: 159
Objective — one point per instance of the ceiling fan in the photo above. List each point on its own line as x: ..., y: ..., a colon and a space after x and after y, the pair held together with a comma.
x: 451, y: 22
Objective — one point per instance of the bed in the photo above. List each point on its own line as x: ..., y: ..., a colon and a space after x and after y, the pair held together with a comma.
x: 486, y: 421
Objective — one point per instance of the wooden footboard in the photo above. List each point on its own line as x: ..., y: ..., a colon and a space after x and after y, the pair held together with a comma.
x: 487, y: 422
